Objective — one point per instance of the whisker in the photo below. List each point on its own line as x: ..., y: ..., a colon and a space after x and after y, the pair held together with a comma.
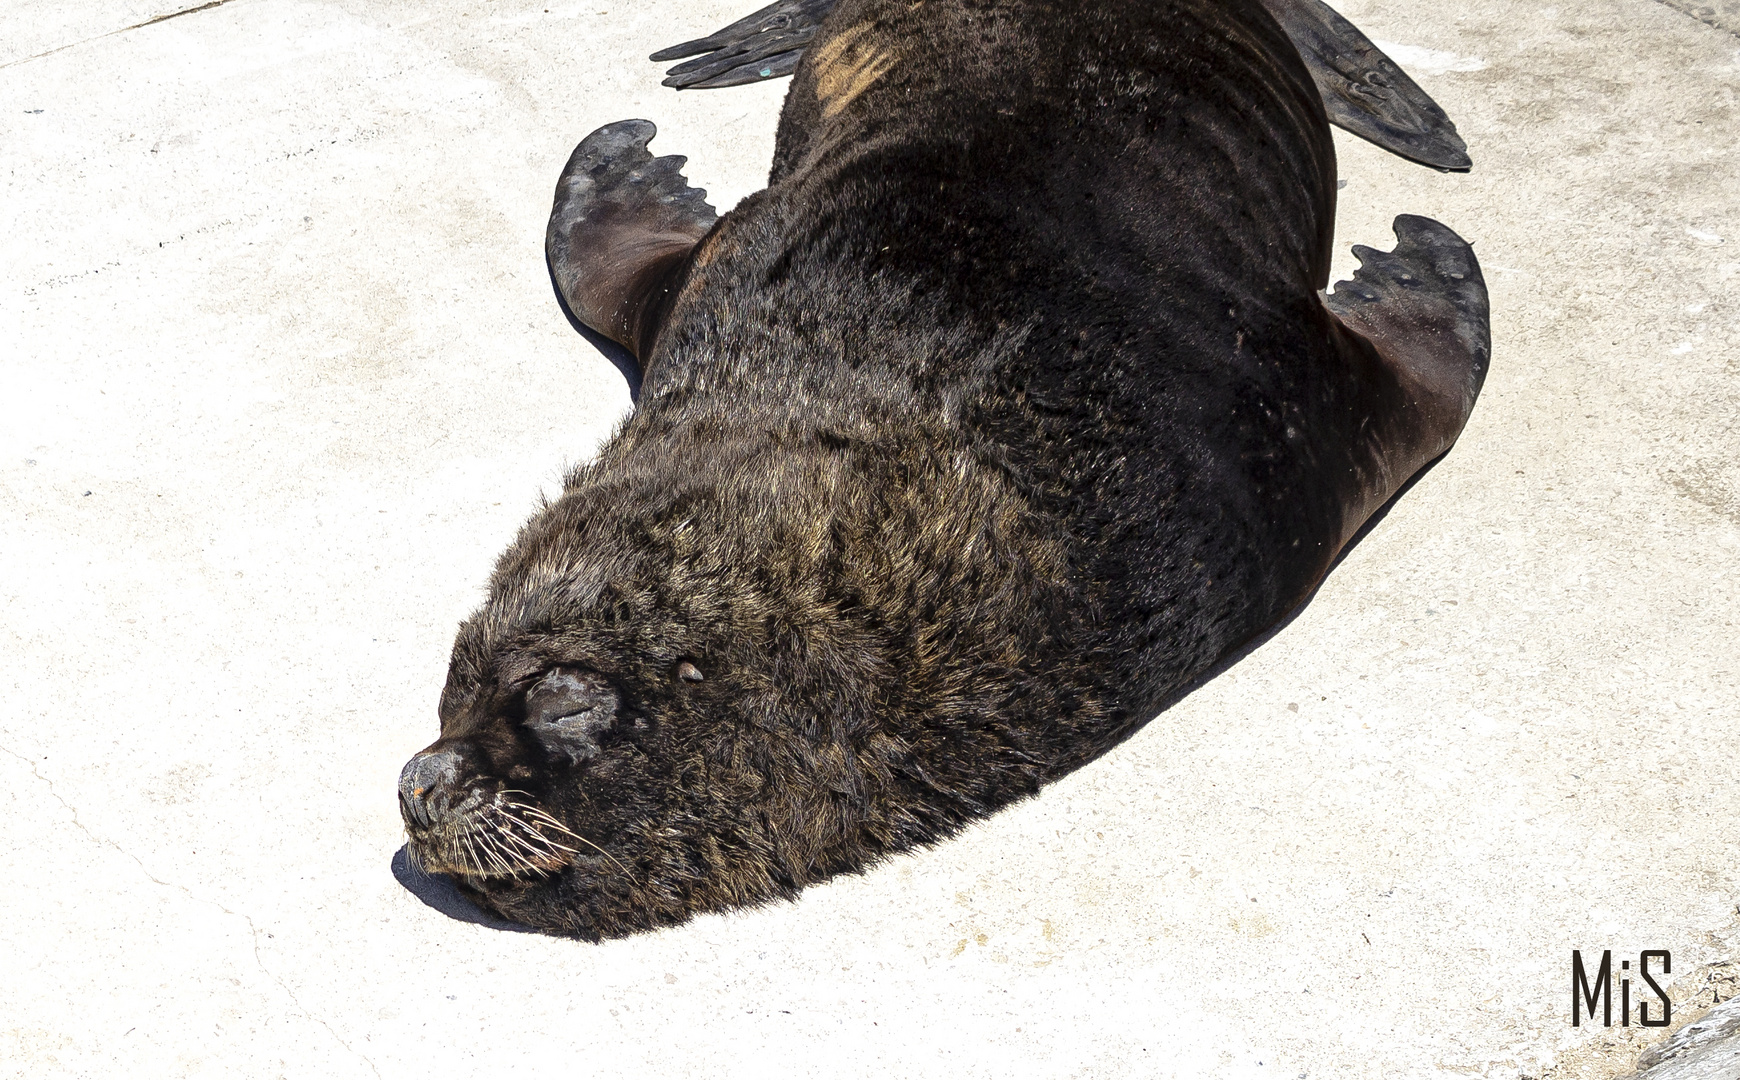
x: 491, y: 851
x: 516, y: 846
x: 475, y: 864
x: 486, y: 860
x: 544, y: 817
x: 486, y: 845
x: 600, y: 851
x: 519, y: 842
x: 509, y: 862
x: 540, y: 816
x: 532, y: 834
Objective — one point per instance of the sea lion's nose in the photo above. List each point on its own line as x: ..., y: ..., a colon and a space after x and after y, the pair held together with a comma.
x: 423, y: 784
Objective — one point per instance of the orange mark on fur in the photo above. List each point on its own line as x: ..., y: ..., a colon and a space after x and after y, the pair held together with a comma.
x: 844, y: 69
x: 705, y: 251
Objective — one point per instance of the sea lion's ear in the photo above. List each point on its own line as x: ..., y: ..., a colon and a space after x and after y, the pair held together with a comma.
x: 568, y: 709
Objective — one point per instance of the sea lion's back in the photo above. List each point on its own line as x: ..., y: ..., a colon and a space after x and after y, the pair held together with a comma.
x: 1088, y: 237
x: 1099, y: 119
x: 952, y: 178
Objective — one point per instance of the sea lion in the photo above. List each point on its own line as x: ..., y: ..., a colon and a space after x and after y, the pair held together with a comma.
x: 1011, y: 405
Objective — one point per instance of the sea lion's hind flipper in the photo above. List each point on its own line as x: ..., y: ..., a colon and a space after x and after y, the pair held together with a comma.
x: 1365, y: 92
x: 621, y: 232
x: 1424, y: 307
x: 1362, y: 89
x: 765, y: 45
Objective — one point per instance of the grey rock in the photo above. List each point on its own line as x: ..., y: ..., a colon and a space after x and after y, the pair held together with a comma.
x: 1722, y: 14
x: 1706, y: 1050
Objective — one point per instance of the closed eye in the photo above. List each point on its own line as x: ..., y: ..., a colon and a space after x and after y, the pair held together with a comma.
x: 568, y: 709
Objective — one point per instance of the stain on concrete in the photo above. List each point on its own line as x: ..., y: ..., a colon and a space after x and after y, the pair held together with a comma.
x: 1722, y: 14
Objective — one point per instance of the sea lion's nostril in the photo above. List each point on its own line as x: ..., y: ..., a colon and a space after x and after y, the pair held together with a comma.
x: 420, y: 784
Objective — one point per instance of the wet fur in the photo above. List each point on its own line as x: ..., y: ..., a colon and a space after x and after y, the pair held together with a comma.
x: 1005, y: 410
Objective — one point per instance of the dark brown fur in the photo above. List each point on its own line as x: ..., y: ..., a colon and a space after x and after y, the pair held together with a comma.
x: 1009, y: 407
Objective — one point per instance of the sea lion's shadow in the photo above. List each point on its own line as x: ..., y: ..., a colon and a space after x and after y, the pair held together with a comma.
x: 1251, y: 646
x: 439, y: 892
x: 623, y: 360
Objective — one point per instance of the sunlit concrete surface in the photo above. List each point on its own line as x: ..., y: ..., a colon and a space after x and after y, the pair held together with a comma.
x: 281, y: 372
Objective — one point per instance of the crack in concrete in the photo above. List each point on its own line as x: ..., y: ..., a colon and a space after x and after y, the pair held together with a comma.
x: 1722, y: 14
x: 253, y: 930
x: 122, y: 30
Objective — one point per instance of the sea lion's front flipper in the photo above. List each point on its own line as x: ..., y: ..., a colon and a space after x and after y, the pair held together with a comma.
x: 766, y: 45
x: 1423, y: 307
x: 621, y: 232
x: 1365, y: 92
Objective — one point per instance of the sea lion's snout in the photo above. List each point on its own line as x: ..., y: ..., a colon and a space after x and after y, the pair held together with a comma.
x: 463, y: 818
x: 425, y: 784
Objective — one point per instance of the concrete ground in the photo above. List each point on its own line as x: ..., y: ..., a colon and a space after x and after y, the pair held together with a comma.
x: 282, y: 373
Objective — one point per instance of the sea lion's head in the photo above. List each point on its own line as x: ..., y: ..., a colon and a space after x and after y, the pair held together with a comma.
x: 572, y: 772
x: 706, y: 685
x: 616, y: 747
